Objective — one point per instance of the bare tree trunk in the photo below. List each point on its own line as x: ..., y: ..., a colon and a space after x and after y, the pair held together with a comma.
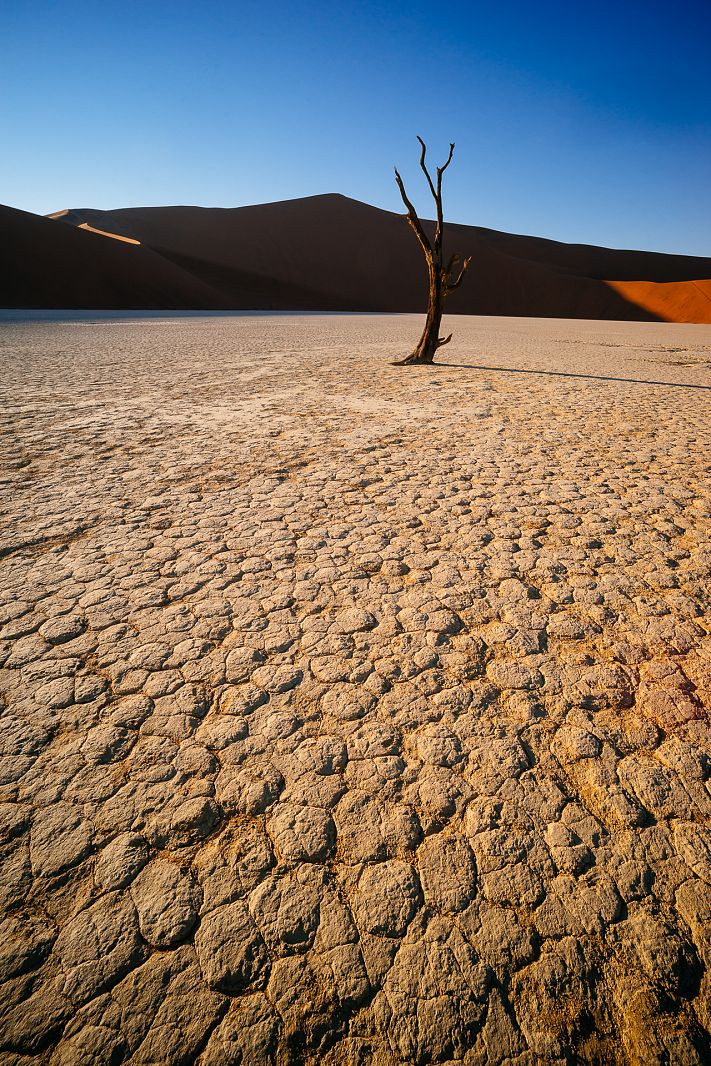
x: 441, y: 279
x: 430, y: 340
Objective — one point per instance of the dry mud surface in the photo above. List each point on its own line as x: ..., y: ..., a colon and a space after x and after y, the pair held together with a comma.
x: 354, y: 714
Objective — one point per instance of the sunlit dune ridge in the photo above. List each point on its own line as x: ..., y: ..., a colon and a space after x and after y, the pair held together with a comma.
x: 105, y: 233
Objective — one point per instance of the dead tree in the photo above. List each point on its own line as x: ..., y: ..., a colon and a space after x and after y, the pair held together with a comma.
x: 443, y: 280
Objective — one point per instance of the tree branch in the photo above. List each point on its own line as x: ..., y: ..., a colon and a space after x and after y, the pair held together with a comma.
x: 441, y: 341
x: 438, y: 200
x: 452, y: 285
x: 412, y: 217
x: 424, y: 167
x: 441, y: 170
x: 454, y: 259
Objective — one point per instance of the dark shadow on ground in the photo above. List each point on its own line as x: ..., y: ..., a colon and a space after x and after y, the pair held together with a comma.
x: 565, y: 374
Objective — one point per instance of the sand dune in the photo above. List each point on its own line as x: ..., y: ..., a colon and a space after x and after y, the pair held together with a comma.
x: 675, y: 301
x: 45, y: 264
x: 333, y: 253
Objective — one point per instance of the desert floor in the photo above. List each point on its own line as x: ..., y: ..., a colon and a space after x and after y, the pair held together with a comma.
x: 352, y: 713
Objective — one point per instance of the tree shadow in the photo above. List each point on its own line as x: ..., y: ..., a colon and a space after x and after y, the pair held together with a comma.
x: 565, y: 374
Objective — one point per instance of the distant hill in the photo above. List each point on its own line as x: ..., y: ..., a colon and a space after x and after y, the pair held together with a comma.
x: 324, y: 253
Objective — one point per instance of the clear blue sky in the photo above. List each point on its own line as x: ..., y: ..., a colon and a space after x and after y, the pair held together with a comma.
x: 579, y: 121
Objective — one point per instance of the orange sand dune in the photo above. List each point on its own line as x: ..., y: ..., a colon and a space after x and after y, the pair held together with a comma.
x: 675, y: 301
x: 333, y: 253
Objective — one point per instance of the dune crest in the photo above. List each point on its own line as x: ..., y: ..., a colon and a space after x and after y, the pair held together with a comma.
x: 105, y: 233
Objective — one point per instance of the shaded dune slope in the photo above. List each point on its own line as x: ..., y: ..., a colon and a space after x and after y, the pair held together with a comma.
x: 47, y: 265
x: 333, y: 253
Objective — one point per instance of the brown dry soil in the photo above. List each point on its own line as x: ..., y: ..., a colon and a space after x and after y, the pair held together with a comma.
x: 349, y: 713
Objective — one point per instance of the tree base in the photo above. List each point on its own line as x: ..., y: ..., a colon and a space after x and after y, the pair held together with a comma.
x: 416, y: 359
x: 426, y: 350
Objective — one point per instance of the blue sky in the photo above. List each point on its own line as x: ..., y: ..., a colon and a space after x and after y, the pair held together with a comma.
x: 578, y: 121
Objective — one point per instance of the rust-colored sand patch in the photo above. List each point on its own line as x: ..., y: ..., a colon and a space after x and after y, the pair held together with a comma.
x: 674, y: 301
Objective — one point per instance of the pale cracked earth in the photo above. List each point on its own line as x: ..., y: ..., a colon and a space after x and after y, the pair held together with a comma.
x: 354, y: 714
